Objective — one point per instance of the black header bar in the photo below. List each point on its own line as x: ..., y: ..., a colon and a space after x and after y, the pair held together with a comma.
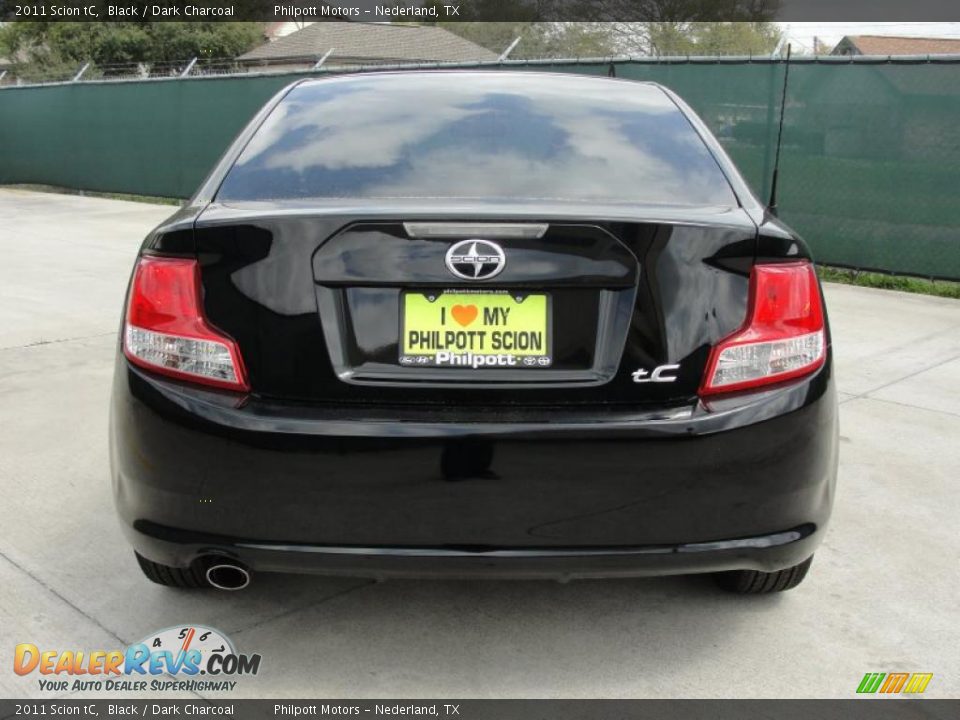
x: 481, y: 10
x: 447, y: 709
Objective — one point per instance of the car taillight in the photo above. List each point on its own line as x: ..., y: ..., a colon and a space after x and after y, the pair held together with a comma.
x: 165, y: 330
x: 783, y: 337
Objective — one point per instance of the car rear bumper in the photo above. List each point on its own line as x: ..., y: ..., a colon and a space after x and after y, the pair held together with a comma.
x: 767, y: 552
x: 747, y: 484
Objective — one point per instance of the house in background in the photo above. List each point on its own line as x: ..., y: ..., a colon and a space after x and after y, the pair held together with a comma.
x: 889, y: 45
x: 276, y: 30
x: 355, y: 44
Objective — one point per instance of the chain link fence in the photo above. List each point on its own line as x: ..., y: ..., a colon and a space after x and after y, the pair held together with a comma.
x: 870, y: 163
x: 93, y: 71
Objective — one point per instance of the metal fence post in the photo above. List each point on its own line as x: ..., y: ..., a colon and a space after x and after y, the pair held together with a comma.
x: 188, y: 68
x: 506, y: 53
x: 79, y: 75
x: 321, y: 61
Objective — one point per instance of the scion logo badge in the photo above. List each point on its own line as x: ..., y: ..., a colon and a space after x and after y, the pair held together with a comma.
x: 476, y: 259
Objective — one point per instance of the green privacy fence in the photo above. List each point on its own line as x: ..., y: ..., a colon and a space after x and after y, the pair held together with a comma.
x: 870, y: 164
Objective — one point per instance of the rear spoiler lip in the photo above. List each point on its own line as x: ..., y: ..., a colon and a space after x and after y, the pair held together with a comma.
x: 478, y: 210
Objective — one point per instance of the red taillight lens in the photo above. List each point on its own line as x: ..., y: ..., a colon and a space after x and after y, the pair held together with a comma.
x: 783, y: 337
x: 166, y: 331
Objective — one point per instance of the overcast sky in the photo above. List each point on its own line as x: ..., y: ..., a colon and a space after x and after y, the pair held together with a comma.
x: 801, y: 34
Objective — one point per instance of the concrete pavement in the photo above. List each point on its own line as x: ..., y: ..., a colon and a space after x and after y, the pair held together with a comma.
x: 881, y: 595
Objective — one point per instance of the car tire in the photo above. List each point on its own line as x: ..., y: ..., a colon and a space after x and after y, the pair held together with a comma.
x: 187, y: 578
x: 754, y: 582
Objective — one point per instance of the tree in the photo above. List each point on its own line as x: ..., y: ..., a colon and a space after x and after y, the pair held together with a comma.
x: 495, y: 36
x: 494, y: 24
x: 709, y: 38
x: 668, y: 11
x: 619, y: 27
x: 612, y: 11
x: 42, y: 49
x: 582, y: 39
x: 596, y: 39
x: 539, y: 39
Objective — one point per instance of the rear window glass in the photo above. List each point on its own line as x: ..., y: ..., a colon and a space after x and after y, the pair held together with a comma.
x: 478, y: 136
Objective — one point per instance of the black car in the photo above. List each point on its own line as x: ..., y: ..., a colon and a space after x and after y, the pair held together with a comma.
x: 474, y: 324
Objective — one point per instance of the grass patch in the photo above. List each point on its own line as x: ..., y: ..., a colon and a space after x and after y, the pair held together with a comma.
x: 152, y: 199
x: 939, y: 288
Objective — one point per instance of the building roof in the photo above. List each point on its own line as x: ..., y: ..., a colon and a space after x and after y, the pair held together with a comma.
x: 888, y: 45
x: 370, y: 43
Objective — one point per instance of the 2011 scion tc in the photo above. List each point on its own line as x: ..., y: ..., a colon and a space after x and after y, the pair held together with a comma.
x: 474, y: 323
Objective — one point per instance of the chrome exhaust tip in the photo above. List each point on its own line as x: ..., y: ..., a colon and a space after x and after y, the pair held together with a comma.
x: 226, y: 575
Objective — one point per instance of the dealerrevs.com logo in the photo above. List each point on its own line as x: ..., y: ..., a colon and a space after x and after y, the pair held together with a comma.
x: 188, y: 658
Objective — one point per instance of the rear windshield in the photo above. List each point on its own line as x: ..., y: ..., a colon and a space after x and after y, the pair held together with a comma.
x: 478, y: 136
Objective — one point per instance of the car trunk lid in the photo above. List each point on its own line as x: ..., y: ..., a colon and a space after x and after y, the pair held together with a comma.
x: 319, y: 300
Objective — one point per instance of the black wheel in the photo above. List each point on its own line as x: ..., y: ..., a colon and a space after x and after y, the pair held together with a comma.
x: 753, y: 582
x: 189, y: 577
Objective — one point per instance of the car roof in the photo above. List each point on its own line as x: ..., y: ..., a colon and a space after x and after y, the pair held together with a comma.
x: 533, y: 78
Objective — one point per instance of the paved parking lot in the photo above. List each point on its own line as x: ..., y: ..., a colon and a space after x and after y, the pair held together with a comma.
x: 882, y: 594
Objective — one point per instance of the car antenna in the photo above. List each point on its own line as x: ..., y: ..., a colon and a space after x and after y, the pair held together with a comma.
x: 772, y: 205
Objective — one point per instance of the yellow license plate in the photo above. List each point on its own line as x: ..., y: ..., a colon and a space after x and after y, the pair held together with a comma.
x: 477, y: 329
